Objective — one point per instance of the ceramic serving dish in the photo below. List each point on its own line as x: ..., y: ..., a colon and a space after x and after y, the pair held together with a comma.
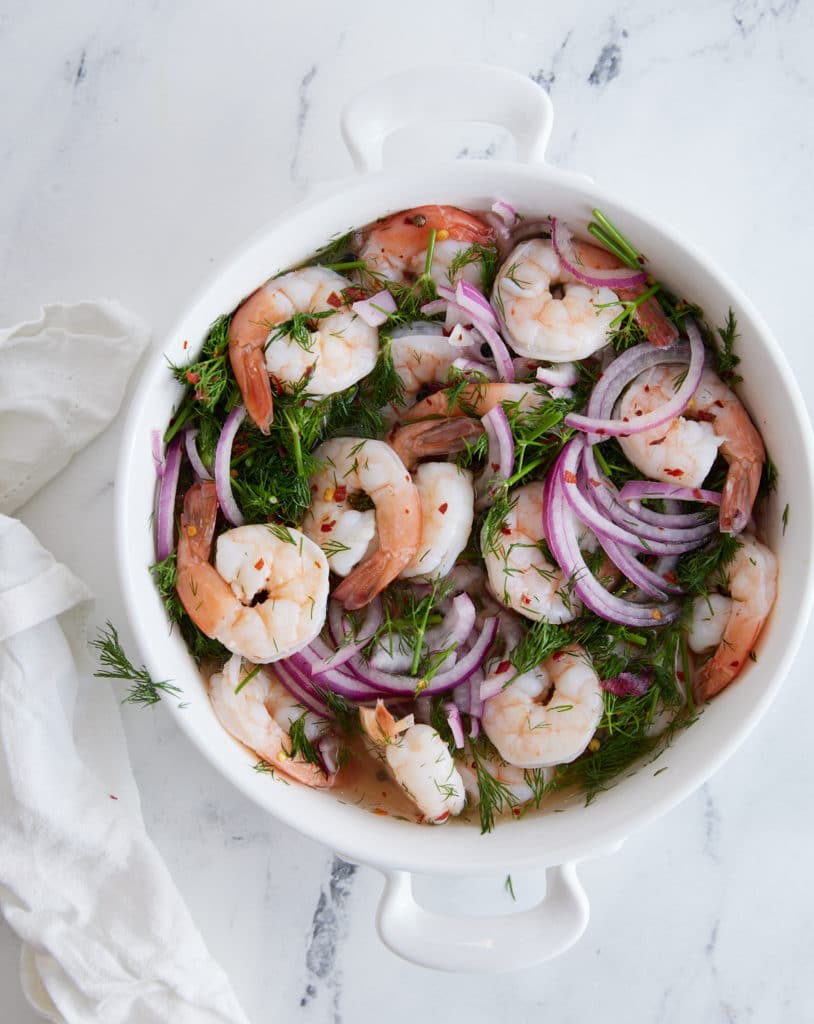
x: 544, y: 841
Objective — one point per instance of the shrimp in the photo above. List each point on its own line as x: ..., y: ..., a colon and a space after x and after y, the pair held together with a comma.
x: 332, y: 351
x: 541, y: 325
x: 649, y: 315
x: 475, y: 400
x: 419, y: 761
x: 520, y: 575
x: 447, y: 506
x: 259, y: 712
x: 351, y: 465
x: 751, y: 580
x: 266, y: 595
x: 422, y: 355
x: 396, y: 247
x: 546, y: 716
x: 510, y: 777
x: 684, y: 451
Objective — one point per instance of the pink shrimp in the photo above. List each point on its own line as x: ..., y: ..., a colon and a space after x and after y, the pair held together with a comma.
x: 474, y: 400
x: 267, y: 594
x: 396, y: 246
x: 751, y: 580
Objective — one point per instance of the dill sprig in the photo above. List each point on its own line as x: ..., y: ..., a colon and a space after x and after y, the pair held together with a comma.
x: 207, y: 379
x: 725, y: 354
x: 300, y: 745
x: 698, y: 570
x: 608, y: 235
x: 116, y: 665
x: 485, y: 255
x: 541, y: 640
x: 494, y: 797
x: 299, y: 329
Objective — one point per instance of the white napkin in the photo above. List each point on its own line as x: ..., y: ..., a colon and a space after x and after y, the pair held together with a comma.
x: 107, y: 938
x: 62, y: 380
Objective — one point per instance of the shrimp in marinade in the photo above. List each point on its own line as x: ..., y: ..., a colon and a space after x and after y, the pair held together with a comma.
x: 549, y: 715
x: 332, y: 351
x: 683, y: 451
x: 259, y: 712
x: 370, y: 547
x: 418, y: 760
x: 266, y: 595
x: 396, y: 246
x: 751, y: 579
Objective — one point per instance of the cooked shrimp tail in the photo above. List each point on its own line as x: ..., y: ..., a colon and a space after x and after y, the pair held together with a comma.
x: 431, y: 438
x: 739, y: 494
x: 369, y: 578
x: 247, y: 340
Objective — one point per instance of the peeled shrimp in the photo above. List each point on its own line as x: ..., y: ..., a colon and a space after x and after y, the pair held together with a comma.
x: 419, y: 761
x: 546, y: 716
x: 541, y: 325
x: 683, y: 452
x: 396, y: 247
x: 422, y: 355
x: 447, y: 506
x: 475, y: 400
x: 349, y: 466
x: 751, y: 580
x: 520, y: 575
x: 649, y: 315
x: 260, y: 713
x: 265, y: 597
x: 340, y: 350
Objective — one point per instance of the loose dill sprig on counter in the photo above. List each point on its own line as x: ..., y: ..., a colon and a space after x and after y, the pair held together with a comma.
x: 116, y: 665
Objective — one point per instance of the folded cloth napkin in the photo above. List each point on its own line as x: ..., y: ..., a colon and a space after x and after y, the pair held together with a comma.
x: 62, y: 380
x: 106, y: 936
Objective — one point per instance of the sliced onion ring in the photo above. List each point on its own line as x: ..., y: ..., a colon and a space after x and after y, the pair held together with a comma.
x: 643, y: 490
x: 563, y: 376
x: 223, y: 466
x: 375, y: 310
x: 472, y: 299
x: 194, y: 455
x: 665, y: 413
x: 455, y: 724
x: 165, y: 520
x: 617, y: 277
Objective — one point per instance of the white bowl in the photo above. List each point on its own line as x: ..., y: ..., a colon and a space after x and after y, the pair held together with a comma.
x: 546, y: 841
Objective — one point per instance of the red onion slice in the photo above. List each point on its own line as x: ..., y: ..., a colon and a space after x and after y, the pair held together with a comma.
x: 165, y: 521
x: 666, y: 413
x: 629, y: 684
x: 472, y: 299
x: 617, y: 277
x: 642, y: 490
x: 473, y: 366
x: 563, y: 376
x: 500, y: 353
x: 455, y: 724
x: 560, y: 532
x: 158, y: 455
x: 375, y: 310
x: 506, y: 213
x: 223, y: 466
x: 372, y: 621
x: 194, y: 456
x: 500, y: 455
x: 299, y: 689
x: 434, y: 307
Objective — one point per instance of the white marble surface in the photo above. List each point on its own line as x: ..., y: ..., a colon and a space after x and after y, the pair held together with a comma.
x: 139, y: 143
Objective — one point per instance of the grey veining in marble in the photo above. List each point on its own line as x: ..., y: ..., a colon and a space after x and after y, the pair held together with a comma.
x: 139, y: 144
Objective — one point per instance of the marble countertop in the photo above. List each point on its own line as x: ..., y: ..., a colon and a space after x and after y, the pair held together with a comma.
x: 140, y: 144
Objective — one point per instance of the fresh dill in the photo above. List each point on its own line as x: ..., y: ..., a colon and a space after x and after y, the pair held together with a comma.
x: 785, y: 519
x: 485, y: 255
x: 494, y: 797
x: 541, y: 640
x: 300, y: 329
x: 697, y: 570
x: 264, y: 768
x: 725, y: 354
x: 509, y: 886
x: 116, y: 665
x: 608, y: 235
x: 208, y: 380
x: 247, y: 678
x: 301, y: 745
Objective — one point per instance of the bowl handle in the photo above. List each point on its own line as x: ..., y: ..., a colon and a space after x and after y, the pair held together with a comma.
x: 462, y: 92
x: 485, y: 944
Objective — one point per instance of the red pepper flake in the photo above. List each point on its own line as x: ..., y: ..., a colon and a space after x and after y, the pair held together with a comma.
x: 601, y: 431
x: 442, y: 817
x: 353, y: 294
x: 517, y: 811
x: 259, y: 563
x: 705, y: 417
x: 719, y: 403
x: 192, y: 378
x: 112, y: 797
x: 592, y: 482
x: 569, y: 477
x: 659, y: 440
x: 327, y: 527
x: 647, y: 387
x: 506, y: 531
x: 504, y: 666
x: 674, y: 472
x: 734, y: 664
x: 443, y: 508
x: 525, y: 599
x: 680, y: 676
x: 639, y: 412
x: 381, y: 811
x: 696, y: 493
x: 340, y: 493
x: 334, y: 300
x: 186, y: 345
x: 671, y: 577
x: 626, y: 419
x: 276, y: 384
